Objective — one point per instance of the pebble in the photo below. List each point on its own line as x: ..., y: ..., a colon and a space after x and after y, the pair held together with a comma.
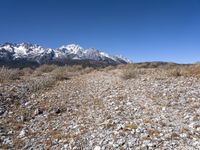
x: 97, y: 148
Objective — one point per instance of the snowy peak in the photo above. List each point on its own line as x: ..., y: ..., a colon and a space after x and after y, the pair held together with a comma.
x: 72, y: 48
x: 24, y: 49
x: 37, y: 53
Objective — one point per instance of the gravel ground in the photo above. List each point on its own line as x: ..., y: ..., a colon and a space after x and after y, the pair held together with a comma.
x: 102, y: 111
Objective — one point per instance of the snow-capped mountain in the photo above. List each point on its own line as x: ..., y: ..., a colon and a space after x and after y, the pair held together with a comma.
x: 10, y: 52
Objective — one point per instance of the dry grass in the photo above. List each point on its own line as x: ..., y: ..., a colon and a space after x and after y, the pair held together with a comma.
x: 66, y: 72
x: 131, y: 71
x: 9, y: 74
x: 44, y: 69
x: 60, y: 73
x: 26, y: 71
x: 167, y: 70
x: 57, y: 74
x: 193, y: 70
x: 86, y: 70
x: 18, y: 143
x: 74, y: 68
x: 186, y: 71
x: 129, y: 74
x: 41, y: 83
x: 174, y: 72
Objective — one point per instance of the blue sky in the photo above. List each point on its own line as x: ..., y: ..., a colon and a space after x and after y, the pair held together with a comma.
x: 141, y: 30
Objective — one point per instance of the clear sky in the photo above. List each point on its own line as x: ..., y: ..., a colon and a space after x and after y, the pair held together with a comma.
x: 141, y: 30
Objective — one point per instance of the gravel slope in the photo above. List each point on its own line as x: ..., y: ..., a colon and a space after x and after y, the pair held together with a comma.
x: 101, y: 111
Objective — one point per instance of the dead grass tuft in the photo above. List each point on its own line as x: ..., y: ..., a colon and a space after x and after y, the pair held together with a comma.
x: 163, y: 70
x: 44, y: 69
x: 26, y: 71
x: 9, y: 74
x: 186, y: 71
x: 60, y: 73
x: 174, y: 72
x: 40, y: 83
x: 193, y: 70
x: 131, y: 71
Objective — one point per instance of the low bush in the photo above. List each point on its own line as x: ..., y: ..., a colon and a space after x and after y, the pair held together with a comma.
x: 44, y: 69
x: 26, y: 71
x: 9, y: 74
x: 132, y: 73
x: 174, y: 72
x: 60, y: 73
x: 193, y: 70
x: 186, y: 71
x: 74, y: 68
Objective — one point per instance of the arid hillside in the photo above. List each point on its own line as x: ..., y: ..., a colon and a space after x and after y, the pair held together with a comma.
x: 134, y: 107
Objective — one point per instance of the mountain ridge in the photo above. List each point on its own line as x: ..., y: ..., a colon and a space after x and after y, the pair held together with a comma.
x: 33, y: 53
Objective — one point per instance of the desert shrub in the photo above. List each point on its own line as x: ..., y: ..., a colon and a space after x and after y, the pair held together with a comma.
x: 60, y: 73
x: 44, y: 69
x: 120, y: 66
x: 183, y: 70
x: 74, y: 68
x: 137, y: 65
x: 78, y: 70
x: 108, y: 68
x: 128, y: 71
x: 132, y: 73
x: 87, y: 70
x: 26, y: 71
x: 192, y: 70
x: 128, y: 74
x: 174, y: 72
x: 186, y: 71
x: 9, y: 74
x: 66, y: 72
x: 127, y: 66
x: 40, y: 83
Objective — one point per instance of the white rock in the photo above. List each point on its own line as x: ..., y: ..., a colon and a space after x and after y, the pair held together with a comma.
x: 65, y: 146
x: 22, y: 133
x: 7, y: 141
x: 164, y: 108
x: 183, y: 135
x: 97, y: 148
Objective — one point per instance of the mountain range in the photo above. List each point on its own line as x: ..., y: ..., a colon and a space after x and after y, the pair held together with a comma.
x: 26, y: 54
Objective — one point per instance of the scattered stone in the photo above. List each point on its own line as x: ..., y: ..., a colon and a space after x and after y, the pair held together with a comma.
x: 38, y: 111
x: 22, y: 133
x: 104, y: 112
x: 57, y: 111
x: 97, y: 148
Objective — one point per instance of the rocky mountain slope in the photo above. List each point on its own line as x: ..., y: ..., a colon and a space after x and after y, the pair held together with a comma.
x: 26, y: 53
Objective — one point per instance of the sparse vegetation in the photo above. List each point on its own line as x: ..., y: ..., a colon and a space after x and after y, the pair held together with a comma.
x: 8, y: 74
x: 131, y: 71
x: 44, y: 69
x: 186, y: 71
x: 42, y: 77
x: 60, y: 73
x: 192, y: 70
x: 174, y: 72
x: 26, y: 71
x: 129, y: 74
x: 99, y: 99
x: 35, y: 85
x: 164, y: 70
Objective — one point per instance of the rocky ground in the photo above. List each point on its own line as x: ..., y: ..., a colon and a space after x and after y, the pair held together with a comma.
x: 102, y: 111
